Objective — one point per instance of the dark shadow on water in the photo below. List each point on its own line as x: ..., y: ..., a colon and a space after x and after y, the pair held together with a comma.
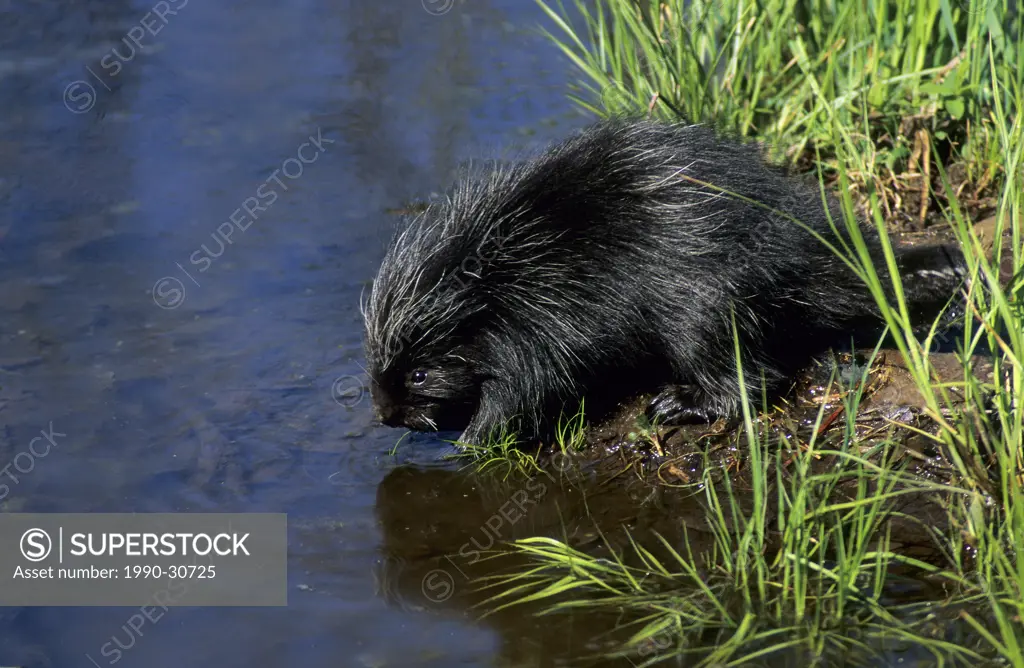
x: 446, y: 535
x: 441, y: 529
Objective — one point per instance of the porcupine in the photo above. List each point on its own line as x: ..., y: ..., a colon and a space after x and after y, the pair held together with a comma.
x: 609, y: 266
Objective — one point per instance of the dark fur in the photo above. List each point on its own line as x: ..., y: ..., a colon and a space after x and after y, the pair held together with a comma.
x: 600, y: 270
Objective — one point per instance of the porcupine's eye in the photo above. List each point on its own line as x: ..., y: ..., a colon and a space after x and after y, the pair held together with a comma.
x: 419, y: 376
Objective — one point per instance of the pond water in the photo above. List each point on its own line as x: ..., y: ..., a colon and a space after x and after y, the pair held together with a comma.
x: 186, y: 373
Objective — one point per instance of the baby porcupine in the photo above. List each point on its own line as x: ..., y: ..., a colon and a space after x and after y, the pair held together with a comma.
x: 605, y: 268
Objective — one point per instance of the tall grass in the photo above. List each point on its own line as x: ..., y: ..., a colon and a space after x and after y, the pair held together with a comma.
x: 984, y: 432
x: 887, y: 99
x: 903, y: 76
x: 792, y: 573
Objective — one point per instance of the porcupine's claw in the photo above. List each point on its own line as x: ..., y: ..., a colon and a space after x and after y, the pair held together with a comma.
x: 679, y: 405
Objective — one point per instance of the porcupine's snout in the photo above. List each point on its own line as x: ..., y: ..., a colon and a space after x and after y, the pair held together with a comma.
x: 384, y: 410
x: 388, y: 416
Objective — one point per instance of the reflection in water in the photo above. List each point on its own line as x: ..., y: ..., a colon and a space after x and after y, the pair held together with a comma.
x: 217, y: 396
x: 444, y: 532
x: 446, y: 555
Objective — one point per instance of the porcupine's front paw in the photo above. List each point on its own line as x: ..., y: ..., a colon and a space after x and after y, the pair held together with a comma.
x: 483, y: 434
x: 480, y: 430
x: 680, y: 405
x: 498, y: 417
x: 468, y: 439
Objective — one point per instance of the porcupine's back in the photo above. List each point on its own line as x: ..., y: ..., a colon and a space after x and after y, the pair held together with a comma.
x: 612, y: 260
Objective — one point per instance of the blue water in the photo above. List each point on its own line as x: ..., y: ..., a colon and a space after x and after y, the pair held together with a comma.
x: 190, y: 374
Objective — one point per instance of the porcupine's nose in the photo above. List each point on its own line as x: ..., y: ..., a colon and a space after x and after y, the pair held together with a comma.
x: 384, y: 410
x: 387, y: 415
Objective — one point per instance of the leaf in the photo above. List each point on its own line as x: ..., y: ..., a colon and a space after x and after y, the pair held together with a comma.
x: 955, y: 106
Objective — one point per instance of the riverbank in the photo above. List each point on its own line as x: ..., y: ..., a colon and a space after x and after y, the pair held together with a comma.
x: 878, y: 513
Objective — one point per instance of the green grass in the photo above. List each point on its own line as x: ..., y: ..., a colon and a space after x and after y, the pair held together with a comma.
x: 789, y: 570
x: 501, y: 450
x: 888, y: 100
x: 903, y: 77
x: 570, y: 434
x: 504, y: 449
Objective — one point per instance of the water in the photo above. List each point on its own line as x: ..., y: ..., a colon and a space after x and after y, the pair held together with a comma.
x: 190, y: 374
